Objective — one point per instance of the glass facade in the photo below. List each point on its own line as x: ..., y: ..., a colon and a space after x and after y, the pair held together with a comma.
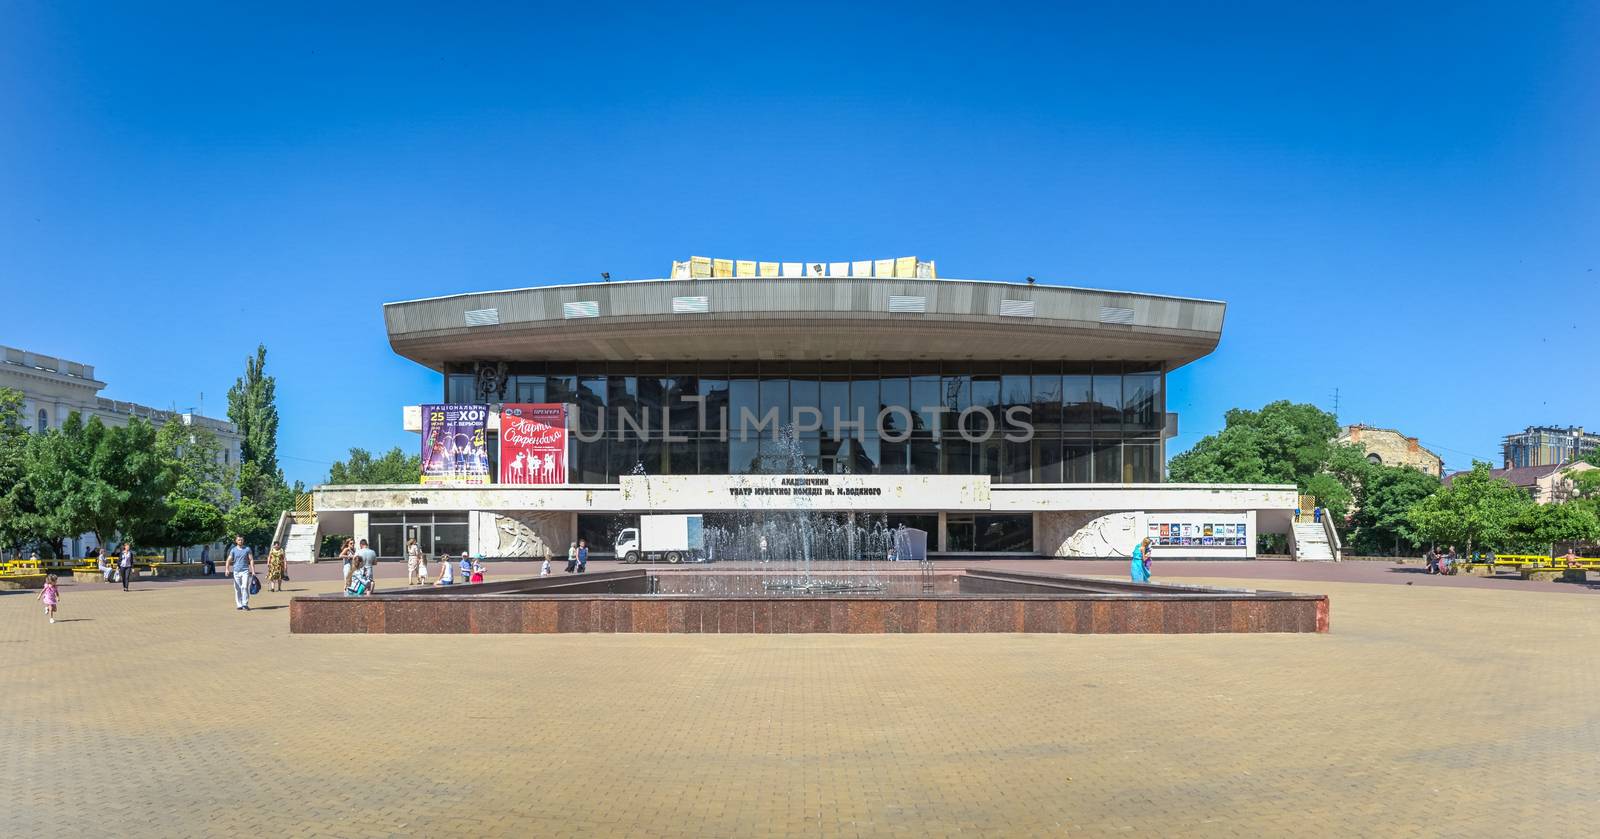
x: 1017, y: 422
x: 438, y: 534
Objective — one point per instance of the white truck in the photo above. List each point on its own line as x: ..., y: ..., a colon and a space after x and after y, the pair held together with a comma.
x: 675, y: 538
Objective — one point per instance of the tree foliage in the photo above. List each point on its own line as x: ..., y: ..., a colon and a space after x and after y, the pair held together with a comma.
x: 263, y: 495
x: 202, y: 487
x: 394, y: 467
x: 112, y: 481
x: 1475, y: 510
x: 18, y: 513
x: 1380, y: 524
x: 1283, y: 443
x: 1543, y: 525
x: 253, y: 409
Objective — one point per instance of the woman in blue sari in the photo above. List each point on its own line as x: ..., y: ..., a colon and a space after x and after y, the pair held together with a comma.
x: 1139, y: 568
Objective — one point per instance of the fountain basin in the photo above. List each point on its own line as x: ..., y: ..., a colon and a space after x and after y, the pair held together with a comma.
x: 970, y: 600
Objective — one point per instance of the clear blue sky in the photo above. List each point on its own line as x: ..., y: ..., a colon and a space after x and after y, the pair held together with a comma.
x: 1402, y: 206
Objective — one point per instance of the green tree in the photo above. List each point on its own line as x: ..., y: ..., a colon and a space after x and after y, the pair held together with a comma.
x: 253, y: 409
x: 256, y: 518
x: 1592, y: 458
x: 394, y: 467
x: 109, y: 481
x: 1585, y: 484
x: 263, y: 495
x: 59, y: 481
x: 1387, y: 493
x: 196, y: 454
x: 1542, y: 525
x: 1283, y: 443
x: 1475, y: 510
x: 192, y: 521
x: 202, y: 487
x: 17, y: 511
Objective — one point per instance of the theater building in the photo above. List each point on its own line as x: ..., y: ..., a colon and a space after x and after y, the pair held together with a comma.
x: 1011, y: 419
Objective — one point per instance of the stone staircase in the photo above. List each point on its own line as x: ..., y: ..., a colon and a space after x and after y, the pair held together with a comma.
x: 1311, y: 543
x: 301, y: 543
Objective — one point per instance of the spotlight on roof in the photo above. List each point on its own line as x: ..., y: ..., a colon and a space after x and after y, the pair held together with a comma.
x: 1031, y: 281
x: 605, y: 276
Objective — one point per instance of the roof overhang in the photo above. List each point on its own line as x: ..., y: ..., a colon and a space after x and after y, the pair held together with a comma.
x: 803, y: 319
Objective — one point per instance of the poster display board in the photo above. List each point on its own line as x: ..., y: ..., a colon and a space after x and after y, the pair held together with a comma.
x: 533, y: 444
x: 1199, y: 530
x: 455, y: 444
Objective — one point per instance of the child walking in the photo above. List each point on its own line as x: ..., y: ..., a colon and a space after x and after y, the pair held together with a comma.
x: 50, y: 596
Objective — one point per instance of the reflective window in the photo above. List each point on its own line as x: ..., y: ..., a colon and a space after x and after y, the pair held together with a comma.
x: 1108, y: 461
x: 1003, y: 534
x: 1085, y: 422
x: 1107, y: 398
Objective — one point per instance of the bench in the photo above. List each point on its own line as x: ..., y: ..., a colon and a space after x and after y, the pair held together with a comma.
x: 14, y: 582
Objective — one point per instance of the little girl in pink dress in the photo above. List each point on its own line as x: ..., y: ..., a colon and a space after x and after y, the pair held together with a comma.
x: 50, y: 595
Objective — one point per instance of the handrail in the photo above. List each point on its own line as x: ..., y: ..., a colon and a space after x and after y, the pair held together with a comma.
x: 280, y: 534
x: 1333, y: 537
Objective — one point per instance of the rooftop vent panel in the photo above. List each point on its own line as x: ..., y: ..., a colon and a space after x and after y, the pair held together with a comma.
x: 1116, y: 314
x: 581, y: 309
x: 1016, y: 308
x: 910, y: 303
x: 691, y: 305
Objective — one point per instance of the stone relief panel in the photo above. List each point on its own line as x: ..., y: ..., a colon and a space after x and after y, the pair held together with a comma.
x: 1090, y: 534
x: 524, y: 534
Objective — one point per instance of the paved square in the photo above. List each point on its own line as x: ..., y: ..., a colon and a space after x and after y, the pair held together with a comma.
x: 1429, y: 710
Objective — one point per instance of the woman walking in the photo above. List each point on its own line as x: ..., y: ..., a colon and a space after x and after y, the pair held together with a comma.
x: 125, y: 565
x: 1139, y: 568
x: 572, y: 558
x: 275, y: 568
x: 413, y: 560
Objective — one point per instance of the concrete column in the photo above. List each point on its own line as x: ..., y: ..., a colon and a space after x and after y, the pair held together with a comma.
x: 359, y: 527
x: 944, y: 530
x: 474, y: 528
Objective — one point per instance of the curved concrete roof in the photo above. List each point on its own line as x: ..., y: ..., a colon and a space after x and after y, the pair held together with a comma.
x: 803, y: 319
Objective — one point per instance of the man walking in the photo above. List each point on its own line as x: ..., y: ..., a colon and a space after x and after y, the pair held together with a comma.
x: 370, y: 562
x: 242, y: 561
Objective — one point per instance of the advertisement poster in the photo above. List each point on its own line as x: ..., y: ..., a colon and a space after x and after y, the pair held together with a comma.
x: 454, y: 444
x: 533, y: 444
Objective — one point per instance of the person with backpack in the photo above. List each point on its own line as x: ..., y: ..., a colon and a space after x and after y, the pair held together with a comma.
x: 242, y: 562
x: 583, y: 555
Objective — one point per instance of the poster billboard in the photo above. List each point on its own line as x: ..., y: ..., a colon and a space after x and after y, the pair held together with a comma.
x: 454, y: 444
x: 533, y: 444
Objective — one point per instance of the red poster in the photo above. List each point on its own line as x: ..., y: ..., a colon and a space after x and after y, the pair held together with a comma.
x: 533, y: 444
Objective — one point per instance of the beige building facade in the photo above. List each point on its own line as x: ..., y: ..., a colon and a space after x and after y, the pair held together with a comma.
x: 1388, y: 447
